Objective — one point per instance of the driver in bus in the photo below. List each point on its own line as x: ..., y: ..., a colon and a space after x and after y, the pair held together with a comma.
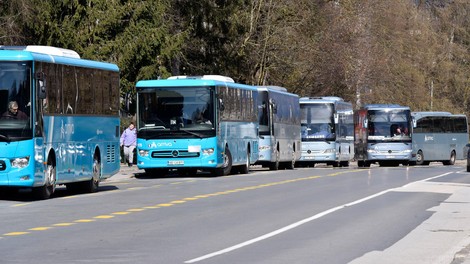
x: 13, y: 112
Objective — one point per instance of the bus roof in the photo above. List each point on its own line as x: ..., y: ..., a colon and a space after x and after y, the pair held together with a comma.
x: 275, y: 89
x: 385, y: 107
x: 321, y: 99
x: 51, y: 55
x: 418, y: 115
x: 191, y: 82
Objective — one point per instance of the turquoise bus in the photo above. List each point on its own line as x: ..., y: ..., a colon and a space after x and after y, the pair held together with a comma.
x: 186, y: 123
x: 327, y: 131
x: 279, y: 127
x: 382, y: 134
x: 438, y: 136
x: 68, y: 132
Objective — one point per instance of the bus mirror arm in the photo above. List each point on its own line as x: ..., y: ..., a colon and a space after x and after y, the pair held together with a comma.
x: 41, y: 85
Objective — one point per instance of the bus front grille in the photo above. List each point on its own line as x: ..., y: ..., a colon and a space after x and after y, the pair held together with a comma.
x: 3, y: 166
x: 110, y: 154
x: 174, y: 154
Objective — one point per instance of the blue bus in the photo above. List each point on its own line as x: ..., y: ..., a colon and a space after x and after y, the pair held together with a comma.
x: 438, y: 136
x: 279, y: 127
x: 327, y: 131
x: 382, y: 134
x: 68, y: 132
x: 187, y: 123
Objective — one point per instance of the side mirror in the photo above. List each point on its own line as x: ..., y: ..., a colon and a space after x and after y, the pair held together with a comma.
x: 41, y: 84
x: 414, y: 123
x: 336, y: 118
x: 274, y: 105
x: 365, y: 123
x: 221, y: 105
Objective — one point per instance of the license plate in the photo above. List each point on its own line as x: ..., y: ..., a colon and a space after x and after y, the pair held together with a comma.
x: 390, y: 157
x: 176, y: 162
x: 309, y: 158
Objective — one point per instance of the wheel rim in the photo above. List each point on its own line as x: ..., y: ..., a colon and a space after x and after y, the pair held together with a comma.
x: 419, y: 157
x: 50, y: 177
x: 96, y: 171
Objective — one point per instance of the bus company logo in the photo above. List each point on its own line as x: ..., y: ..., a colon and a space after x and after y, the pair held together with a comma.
x: 164, y: 144
x: 161, y: 144
x: 428, y: 138
x: 99, y: 132
x: 66, y: 129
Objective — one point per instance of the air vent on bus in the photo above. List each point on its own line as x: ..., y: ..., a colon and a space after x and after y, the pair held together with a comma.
x: 110, y: 154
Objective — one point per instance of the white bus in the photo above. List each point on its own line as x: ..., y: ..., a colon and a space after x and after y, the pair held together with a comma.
x: 279, y: 127
x: 382, y: 134
x: 327, y: 131
x: 438, y: 136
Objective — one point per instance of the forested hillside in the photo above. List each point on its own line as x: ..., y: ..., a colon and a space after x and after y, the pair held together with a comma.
x: 411, y: 52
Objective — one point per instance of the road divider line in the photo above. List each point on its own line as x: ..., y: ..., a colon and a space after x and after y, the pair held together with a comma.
x: 301, y: 222
x: 169, y: 204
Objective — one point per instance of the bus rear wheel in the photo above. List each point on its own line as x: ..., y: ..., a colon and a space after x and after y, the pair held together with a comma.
x: 245, y: 169
x: 451, y: 161
x: 290, y: 165
x: 275, y: 165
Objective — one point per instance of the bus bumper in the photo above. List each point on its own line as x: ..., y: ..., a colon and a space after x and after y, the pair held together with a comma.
x: 156, y: 154
x: 13, y: 176
x: 388, y: 157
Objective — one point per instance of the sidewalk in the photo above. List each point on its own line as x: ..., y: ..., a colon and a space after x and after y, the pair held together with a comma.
x: 124, y: 173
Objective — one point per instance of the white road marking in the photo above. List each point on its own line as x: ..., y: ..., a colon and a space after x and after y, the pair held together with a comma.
x: 301, y: 222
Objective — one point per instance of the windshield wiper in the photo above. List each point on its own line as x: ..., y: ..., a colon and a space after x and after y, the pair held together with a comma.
x: 152, y: 127
x: 5, y: 138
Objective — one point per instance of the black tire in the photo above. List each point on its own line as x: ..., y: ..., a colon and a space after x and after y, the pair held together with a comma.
x: 245, y: 169
x: 291, y: 164
x: 227, y: 166
x: 419, y: 158
x: 45, y: 192
x: 92, y: 185
x: 275, y: 165
x: 451, y: 161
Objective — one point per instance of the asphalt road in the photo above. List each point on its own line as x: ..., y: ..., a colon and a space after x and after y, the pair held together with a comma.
x: 308, y: 215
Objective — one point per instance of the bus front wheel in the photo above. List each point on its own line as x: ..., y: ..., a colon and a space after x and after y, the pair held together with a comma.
x: 44, y: 192
x: 419, y: 158
x: 227, y: 166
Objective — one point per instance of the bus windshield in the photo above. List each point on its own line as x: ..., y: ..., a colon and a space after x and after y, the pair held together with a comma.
x: 389, y: 125
x: 317, y: 122
x: 176, y: 112
x: 15, y: 101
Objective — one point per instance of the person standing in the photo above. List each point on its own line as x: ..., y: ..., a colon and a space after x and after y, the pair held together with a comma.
x: 128, y: 141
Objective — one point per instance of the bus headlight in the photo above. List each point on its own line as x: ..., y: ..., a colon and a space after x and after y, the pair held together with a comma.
x: 20, y: 162
x: 208, y: 151
x: 143, y: 153
x: 372, y: 151
x: 326, y: 151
